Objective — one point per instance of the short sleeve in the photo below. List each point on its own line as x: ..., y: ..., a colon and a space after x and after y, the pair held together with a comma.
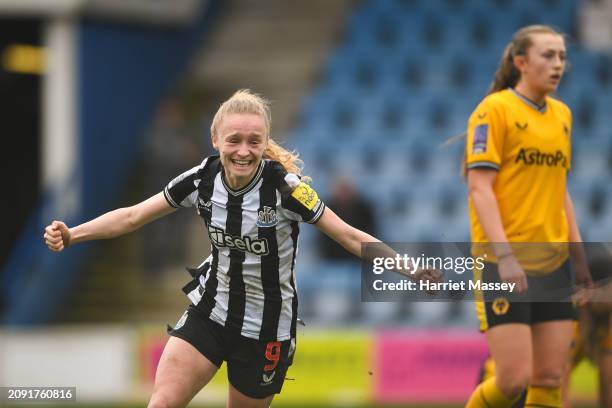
x: 182, y: 191
x: 485, y: 136
x: 301, y: 201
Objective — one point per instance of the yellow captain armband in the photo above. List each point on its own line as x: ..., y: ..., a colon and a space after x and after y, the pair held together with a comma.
x: 305, y: 195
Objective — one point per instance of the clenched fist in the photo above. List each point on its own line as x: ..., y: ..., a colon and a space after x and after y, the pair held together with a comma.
x: 57, y: 236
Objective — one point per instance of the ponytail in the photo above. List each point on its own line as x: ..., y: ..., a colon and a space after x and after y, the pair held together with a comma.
x: 289, y: 160
x: 507, y: 75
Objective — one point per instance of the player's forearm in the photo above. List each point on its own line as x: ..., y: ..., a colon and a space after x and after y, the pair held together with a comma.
x: 574, y: 231
x: 348, y: 237
x: 577, y: 252
x: 353, y: 240
x: 356, y: 239
x: 487, y: 211
x: 109, y: 225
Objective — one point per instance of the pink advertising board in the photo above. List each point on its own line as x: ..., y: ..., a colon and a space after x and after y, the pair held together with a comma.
x: 427, y: 366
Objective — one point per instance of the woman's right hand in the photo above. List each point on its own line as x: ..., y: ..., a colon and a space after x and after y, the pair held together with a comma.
x: 510, y: 271
x: 57, y: 236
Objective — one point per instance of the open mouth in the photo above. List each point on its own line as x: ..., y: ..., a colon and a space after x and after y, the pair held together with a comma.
x: 241, y: 163
x: 555, y: 77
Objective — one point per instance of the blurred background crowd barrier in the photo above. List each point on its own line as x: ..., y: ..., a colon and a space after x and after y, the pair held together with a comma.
x: 103, y: 102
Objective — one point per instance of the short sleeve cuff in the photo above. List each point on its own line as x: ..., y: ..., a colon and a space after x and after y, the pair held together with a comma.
x: 318, y: 213
x: 169, y: 199
x: 483, y: 164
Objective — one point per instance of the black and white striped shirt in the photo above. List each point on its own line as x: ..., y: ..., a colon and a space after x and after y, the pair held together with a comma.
x: 248, y: 282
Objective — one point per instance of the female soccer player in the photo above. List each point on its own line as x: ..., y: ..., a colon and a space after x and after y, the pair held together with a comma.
x: 517, y: 158
x: 244, y: 300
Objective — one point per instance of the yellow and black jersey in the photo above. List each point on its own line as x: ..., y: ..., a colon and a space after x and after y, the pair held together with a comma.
x: 530, y: 147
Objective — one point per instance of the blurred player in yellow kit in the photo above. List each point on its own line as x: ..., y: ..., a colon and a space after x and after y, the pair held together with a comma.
x: 593, y: 333
x: 592, y: 338
x: 518, y: 152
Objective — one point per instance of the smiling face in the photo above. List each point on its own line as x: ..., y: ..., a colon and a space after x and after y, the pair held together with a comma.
x: 543, y: 66
x: 241, y: 140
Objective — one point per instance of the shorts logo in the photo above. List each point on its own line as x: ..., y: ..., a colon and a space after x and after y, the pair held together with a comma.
x: 267, y: 379
x: 500, y: 306
x: 479, y: 143
x: 267, y: 217
x: 305, y: 195
x: 181, y: 321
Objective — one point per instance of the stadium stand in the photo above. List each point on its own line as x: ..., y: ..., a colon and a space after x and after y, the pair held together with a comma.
x: 403, y: 80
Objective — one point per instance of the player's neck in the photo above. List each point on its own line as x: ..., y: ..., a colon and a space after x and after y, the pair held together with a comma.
x: 237, y: 182
x: 537, y: 97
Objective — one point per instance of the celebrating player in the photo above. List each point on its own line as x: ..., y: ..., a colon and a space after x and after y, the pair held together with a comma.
x: 517, y: 158
x: 244, y: 299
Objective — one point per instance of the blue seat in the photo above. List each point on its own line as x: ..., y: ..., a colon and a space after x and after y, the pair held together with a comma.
x: 588, y: 162
x: 406, y: 78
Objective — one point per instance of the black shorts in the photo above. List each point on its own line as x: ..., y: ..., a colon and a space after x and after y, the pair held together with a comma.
x: 255, y: 368
x: 548, y: 299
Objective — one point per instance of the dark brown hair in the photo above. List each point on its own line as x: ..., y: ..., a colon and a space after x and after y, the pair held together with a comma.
x: 507, y: 75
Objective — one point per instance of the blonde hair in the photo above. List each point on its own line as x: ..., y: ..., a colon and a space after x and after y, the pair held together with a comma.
x: 244, y: 101
x: 507, y: 75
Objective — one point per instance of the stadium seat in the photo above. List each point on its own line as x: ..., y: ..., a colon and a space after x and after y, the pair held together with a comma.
x: 404, y: 79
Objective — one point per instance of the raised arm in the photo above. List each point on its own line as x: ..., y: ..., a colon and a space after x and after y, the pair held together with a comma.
x: 109, y: 225
x: 351, y: 239
x: 348, y: 237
